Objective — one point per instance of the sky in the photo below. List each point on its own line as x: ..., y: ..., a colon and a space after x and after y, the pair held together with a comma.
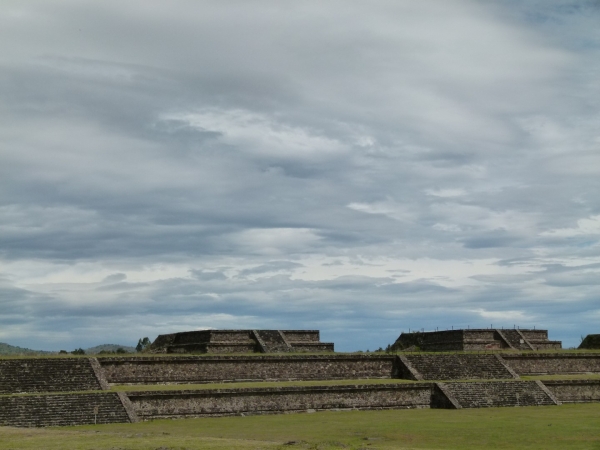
x: 358, y: 167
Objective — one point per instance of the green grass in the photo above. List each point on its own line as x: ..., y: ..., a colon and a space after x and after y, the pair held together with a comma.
x: 550, y: 427
x: 575, y: 376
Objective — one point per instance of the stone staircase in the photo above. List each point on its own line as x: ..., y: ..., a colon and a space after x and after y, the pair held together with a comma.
x: 457, y: 367
x: 61, y: 410
x: 497, y: 393
x: 272, y: 341
x: 515, y: 339
x: 47, y: 375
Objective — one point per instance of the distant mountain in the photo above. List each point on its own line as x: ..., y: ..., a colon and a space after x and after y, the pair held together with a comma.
x: 108, y: 348
x: 6, y: 349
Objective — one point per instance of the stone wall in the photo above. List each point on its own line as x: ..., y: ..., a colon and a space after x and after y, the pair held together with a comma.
x: 546, y: 345
x: 214, y: 347
x: 535, y: 335
x: 553, y: 363
x: 312, y: 347
x: 224, y: 402
x: 33, y: 375
x: 453, y: 367
x: 575, y: 391
x: 61, y: 409
x: 297, y: 336
x: 444, y: 340
x: 199, y: 369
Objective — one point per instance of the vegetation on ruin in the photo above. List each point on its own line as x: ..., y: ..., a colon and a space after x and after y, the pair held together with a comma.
x: 574, y: 376
x: 566, y: 427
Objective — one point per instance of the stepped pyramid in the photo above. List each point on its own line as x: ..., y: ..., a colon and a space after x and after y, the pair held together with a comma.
x: 477, y: 339
x: 240, y: 341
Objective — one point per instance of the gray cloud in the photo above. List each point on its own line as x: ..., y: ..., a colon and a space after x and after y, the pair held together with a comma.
x: 352, y: 167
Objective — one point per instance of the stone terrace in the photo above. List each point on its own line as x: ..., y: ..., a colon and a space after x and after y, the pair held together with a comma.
x: 240, y: 341
x: 452, y: 367
x: 60, y: 409
x: 209, y: 369
x: 78, y: 374
x: 224, y: 402
x: 575, y: 391
x: 477, y: 339
x: 49, y: 375
x: 497, y: 393
x: 553, y: 363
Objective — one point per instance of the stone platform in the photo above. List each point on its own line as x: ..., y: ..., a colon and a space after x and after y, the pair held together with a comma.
x: 238, y: 368
x: 241, y: 341
x: 477, y: 339
x: 450, y: 380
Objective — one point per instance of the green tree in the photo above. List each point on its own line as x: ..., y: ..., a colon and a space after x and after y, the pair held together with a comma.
x: 142, y: 344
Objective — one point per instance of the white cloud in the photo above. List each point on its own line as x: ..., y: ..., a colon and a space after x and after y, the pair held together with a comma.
x: 446, y: 193
x: 589, y: 226
x: 273, y: 164
x: 276, y: 241
x: 505, y: 316
x: 389, y: 208
x: 256, y: 133
x: 480, y: 217
x: 446, y: 227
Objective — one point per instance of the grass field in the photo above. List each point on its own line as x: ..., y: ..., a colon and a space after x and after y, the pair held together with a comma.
x: 550, y: 427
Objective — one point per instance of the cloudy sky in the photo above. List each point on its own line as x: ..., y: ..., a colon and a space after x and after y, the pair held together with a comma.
x: 358, y: 167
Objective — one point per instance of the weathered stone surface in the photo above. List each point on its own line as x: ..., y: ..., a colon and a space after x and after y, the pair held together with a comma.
x: 497, y: 393
x: 453, y: 367
x: 47, y: 375
x: 61, y: 409
x: 223, y: 402
x: 477, y: 339
x: 207, y: 369
x: 553, y: 363
x: 575, y: 391
x: 72, y: 374
x: 240, y: 341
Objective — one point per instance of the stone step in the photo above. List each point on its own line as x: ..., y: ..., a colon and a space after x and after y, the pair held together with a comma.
x: 273, y: 341
x: 499, y: 394
x: 47, y: 375
x: 458, y: 367
x: 515, y: 339
x: 59, y: 410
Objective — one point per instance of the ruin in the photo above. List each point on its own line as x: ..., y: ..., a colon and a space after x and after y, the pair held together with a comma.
x: 78, y: 390
x: 241, y: 341
x: 591, y: 341
x: 477, y: 339
x: 238, y: 368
